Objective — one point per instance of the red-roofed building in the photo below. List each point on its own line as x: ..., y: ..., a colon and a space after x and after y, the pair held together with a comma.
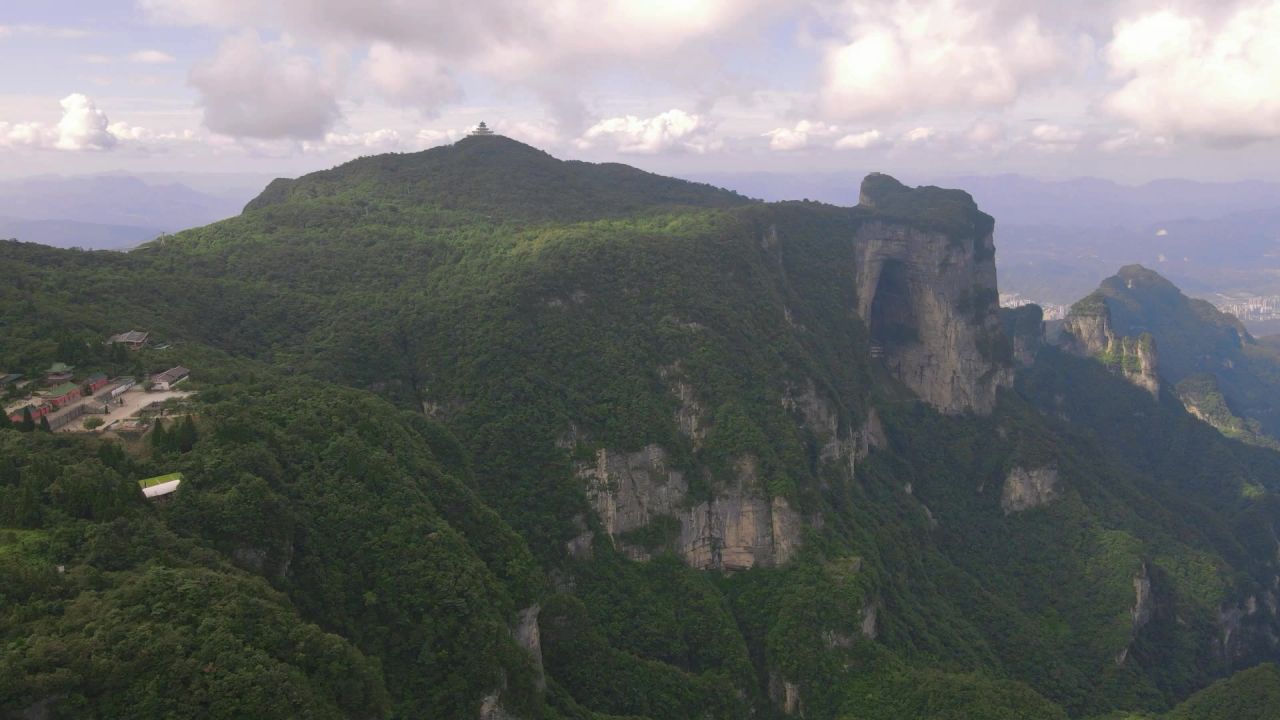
x: 62, y: 395
x: 37, y: 412
x: 96, y: 382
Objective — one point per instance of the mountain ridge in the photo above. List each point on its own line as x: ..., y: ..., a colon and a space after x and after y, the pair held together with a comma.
x: 635, y: 459
x: 496, y: 172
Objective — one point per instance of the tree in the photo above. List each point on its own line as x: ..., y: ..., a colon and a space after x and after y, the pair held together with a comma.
x: 159, y: 436
x: 184, y: 436
x: 28, y: 423
x: 5, y: 422
x: 93, y: 422
x: 44, y: 424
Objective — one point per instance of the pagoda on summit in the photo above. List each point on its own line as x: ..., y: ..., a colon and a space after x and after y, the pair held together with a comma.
x: 481, y: 130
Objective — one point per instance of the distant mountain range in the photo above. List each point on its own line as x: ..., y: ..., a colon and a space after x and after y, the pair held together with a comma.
x: 114, y: 211
x: 72, y: 233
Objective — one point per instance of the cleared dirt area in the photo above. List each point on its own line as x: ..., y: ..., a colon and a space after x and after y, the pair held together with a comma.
x: 124, y: 407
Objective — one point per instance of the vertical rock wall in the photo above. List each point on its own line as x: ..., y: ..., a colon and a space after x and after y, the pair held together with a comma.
x: 1087, y: 332
x: 929, y: 297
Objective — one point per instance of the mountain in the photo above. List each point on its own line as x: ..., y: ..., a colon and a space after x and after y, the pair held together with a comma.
x: 70, y: 233
x: 1018, y: 200
x: 500, y: 179
x: 485, y: 434
x: 1057, y: 237
x: 1205, y: 356
x: 105, y: 211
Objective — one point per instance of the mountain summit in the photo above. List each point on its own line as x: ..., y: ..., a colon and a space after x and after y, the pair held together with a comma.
x: 1207, y: 357
x: 501, y: 178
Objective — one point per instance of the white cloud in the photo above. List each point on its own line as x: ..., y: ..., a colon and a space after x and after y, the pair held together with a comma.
x: 551, y: 49
x: 796, y: 138
x: 512, y: 33
x: 26, y: 134
x: 985, y: 133
x: 1136, y: 142
x: 907, y: 57
x: 409, y: 78
x: 373, y: 142
x: 431, y: 138
x: 83, y: 126
x: 1048, y: 137
x: 673, y: 130
x: 259, y: 90
x: 860, y: 141
x: 536, y: 134
x: 919, y: 136
x: 151, y: 57
x: 1189, y: 75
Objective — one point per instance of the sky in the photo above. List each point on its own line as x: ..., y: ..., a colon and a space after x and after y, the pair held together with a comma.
x: 1130, y: 90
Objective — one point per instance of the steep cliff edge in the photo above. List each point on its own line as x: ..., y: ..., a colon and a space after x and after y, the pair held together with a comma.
x: 918, y: 265
x: 1088, y: 332
x: 1206, y: 357
x: 1024, y: 326
x: 927, y: 292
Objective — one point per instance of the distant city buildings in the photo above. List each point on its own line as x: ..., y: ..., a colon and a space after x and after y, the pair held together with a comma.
x: 1250, y: 309
x: 1051, y: 310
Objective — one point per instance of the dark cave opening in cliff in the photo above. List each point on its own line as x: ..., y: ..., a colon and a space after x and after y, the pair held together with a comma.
x: 893, y: 321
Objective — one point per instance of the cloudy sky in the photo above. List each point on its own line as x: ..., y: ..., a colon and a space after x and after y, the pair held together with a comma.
x: 1126, y: 89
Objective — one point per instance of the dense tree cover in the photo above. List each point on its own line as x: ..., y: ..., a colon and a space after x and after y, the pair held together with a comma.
x: 517, y: 314
x: 106, y: 612
x: 331, y: 497
x: 1195, y: 341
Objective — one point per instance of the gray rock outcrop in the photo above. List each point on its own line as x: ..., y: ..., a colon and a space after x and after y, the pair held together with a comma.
x: 1140, y: 613
x: 1025, y: 489
x: 644, y: 506
x: 929, y: 300
x: 1088, y: 332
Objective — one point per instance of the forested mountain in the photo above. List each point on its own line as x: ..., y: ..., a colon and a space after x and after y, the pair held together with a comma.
x: 485, y: 434
x: 1206, y: 357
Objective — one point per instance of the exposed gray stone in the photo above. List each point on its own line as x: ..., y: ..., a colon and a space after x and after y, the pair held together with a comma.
x: 1025, y: 489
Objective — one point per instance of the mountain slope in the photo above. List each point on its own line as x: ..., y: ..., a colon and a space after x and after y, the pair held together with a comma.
x: 1207, y: 356
x: 713, y: 458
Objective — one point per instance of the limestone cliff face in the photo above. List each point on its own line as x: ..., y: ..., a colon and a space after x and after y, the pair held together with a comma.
x: 923, y: 267
x: 1025, y: 489
x: 528, y: 636
x: 642, y: 500
x: 1024, y: 326
x: 842, y: 447
x: 929, y: 297
x: 1087, y: 332
x: 644, y: 506
x: 1141, y: 612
